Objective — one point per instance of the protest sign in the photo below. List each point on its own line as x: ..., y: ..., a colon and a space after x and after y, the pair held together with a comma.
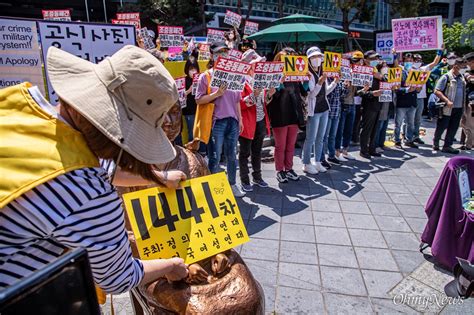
x: 362, y: 75
x: 395, y: 75
x: 195, y: 83
x: 346, y: 70
x: 230, y: 72
x: 20, y: 57
x: 135, y: 23
x: 384, y: 45
x: 295, y: 68
x: 204, y: 52
x: 250, y: 28
x: 92, y: 42
x: 233, y: 19
x: 235, y: 54
x: 171, y: 36
x: 128, y: 16
x: 332, y: 64
x: 56, y: 15
x: 347, y: 55
x: 215, y: 36
x: 196, y: 222
x: 267, y: 75
x: 147, y: 39
x: 415, y: 34
x: 181, y: 86
x: 417, y: 78
x: 173, y: 51
x: 386, y: 89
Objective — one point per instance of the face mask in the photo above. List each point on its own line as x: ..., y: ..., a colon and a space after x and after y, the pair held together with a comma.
x: 416, y: 65
x: 408, y: 65
x: 451, y: 62
x: 316, y: 62
x: 231, y: 36
x: 374, y: 63
x: 462, y: 71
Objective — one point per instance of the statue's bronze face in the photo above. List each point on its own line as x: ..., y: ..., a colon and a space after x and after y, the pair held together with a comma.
x: 172, y: 123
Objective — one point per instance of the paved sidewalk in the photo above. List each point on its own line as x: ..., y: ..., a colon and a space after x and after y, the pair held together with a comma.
x: 347, y: 241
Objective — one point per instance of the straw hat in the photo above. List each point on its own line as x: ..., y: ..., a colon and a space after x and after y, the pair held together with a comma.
x: 125, y: 96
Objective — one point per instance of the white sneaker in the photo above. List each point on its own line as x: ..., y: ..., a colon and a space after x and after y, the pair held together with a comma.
x: 237, y: 191
x: 320, y: 168
x: 348, y: 156
x: 310, y: 169
x: 341, y: 158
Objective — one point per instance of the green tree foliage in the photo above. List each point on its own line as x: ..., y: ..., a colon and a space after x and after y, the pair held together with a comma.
x: 352, y: 10
x: 408, y: 8
x: 459, y: 37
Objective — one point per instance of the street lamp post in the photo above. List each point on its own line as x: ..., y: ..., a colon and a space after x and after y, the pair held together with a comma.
x: 105, y: 11
x: 87, y: 10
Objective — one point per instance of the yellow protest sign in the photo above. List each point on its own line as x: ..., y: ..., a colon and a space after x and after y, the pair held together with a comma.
x: 193, y: 223
x: 417, y: 78
x: 332, y: 64
x: 296, y: 68
x: 395, y: 75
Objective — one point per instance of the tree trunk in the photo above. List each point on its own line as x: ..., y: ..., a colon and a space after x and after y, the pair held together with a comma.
x: 239, y: 7
x: 280, y: 8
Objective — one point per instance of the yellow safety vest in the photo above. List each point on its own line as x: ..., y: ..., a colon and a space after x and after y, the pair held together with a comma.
x: 35, y: 146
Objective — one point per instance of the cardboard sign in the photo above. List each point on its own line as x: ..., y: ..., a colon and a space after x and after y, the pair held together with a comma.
x: 346, y: 73
x: 464, y: 185
x: 215, y: 36
x: 235, y: 54
x: 417, y: 78
x: 56, y: 15
x: 250, y: 28
x: 204, y: 52
x: 386, y: 95
x: 384, y: 45
x: 395, y: 75
x: 362, y: 75
x: 171, y: 36
x: 128, y: 16
x: 232, y: 18
x: 268, y: 75
x: 144, y: 34
x: 416, y: 34
x: 295, y: 68
x: 231, y: 72
x: 20, y: 56
x: 135, y: 23
x: 195, y: 83
x: 194, y: 223
x: 332, y: 64
x: 181, y: 86
x: 92, y: 42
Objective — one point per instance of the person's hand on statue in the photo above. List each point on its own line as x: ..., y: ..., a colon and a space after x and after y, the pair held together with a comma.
x: 171, y: 179
x: 178, y: 271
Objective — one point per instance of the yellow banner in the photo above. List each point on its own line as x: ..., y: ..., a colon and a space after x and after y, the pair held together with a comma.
x: 395, y: 75
x: 332, y: 62
x: 295, y: 65
x: 417, y: 78
x: 193, y: 223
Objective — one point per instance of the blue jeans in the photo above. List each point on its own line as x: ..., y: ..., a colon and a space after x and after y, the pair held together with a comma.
x: 407, y: 114
x: 420, y: 104
x: 330, y: 138
x: 382, y: 126
x: 225, y: 134
x: 345, y: 126
x: 315, y: 130
x: 190, y: 124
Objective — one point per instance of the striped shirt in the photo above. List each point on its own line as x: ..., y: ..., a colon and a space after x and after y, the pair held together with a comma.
x: 334, y: 99
x: 78, y: 209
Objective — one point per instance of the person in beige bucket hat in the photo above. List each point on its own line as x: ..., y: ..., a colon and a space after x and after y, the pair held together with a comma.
x: 53, y: 194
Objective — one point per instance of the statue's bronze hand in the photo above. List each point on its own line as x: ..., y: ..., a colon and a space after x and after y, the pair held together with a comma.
x: 193, y: 146
x: 219, y: 264
x: 197, y: 274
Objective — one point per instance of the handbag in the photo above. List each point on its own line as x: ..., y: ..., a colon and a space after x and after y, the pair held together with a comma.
x: 203, y: 120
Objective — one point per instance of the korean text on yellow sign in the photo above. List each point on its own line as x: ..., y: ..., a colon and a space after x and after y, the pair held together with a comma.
x: 395, y: 75
x: 417, y: 78
x: 295, y: 65
x: 332, y: 64
x: 193, y: 223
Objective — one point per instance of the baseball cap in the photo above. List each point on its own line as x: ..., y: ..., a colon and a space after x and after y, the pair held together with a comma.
x: 314, y: 51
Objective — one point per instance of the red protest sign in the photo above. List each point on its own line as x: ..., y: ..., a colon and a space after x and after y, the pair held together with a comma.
x: 232, y: 18
x: 135, y: 23
x: 128, y: 16
x: 171, y: 36
x: 362, y: 75
x: 56, y: 15
x: 214, y: 36
x: 235, y: 54
x: 181, y: 86
x: 250, y: 28
x: 268, y: 75
x: 230, y: 72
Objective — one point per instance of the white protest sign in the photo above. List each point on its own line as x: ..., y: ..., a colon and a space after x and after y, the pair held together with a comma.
x: 235, y: 54
x: 195, y: 83
x: 384, y: 45
x: 346, y: 70
x: 128, y: 16
x: 204, y: 52
x: 181, y: 86
x: 386, y: 89
x: 250, y: 28
x: 233, y: 19
x: 230, y: 72
x: 135, y: 23
x: 268, y: 75
x: 92, y: 42
x: 20, y: 57
x: 171, y: 36
x: 215, y: 36
x: 56, y: 15
x: 147, y: 40
x: 362, y: 75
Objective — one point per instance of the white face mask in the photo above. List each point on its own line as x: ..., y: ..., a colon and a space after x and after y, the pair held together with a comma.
x: 462, y: 71
x: 316, y: 62
x: 416, y: 65
x: 451, y: 62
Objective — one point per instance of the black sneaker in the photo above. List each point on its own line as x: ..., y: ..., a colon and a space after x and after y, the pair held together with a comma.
x: 411, y: 144
x: 398, y: 144
x: 365, y: 155
x: 325, y: 164
x: 450, y: 150
x: 462, y: 148
x: 419, y: 141
x: 281, y: 177
x: 333, y: 161
x: 435, y: 147
x: 375, y: 154
x: 292, y: 175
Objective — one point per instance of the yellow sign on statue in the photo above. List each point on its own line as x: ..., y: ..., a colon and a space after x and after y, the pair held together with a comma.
x: 193, y: 223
